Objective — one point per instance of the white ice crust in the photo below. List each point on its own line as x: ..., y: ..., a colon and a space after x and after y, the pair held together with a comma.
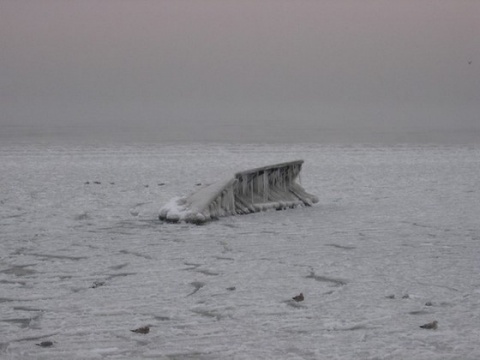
x: 200, y: 207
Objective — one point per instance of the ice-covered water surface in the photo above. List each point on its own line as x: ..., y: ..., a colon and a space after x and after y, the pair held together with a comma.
x: 394, y: 243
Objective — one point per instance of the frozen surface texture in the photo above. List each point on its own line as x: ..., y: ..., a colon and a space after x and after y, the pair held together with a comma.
x: 393, y: 244
x: 250, y: 191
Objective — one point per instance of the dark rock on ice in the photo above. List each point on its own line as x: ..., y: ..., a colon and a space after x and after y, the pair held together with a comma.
x: 97, y: 284
x: 141, y: 330
x: 45, y: 344
x: 299, y: 297
x: 430, y: 326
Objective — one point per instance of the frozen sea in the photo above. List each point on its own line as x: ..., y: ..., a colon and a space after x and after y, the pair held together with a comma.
x: 394, y: 243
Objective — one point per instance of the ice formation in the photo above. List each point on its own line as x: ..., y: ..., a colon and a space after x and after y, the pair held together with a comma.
x: 259, y: 189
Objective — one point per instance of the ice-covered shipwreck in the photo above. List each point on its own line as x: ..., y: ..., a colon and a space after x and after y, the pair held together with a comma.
x: 259, y: 189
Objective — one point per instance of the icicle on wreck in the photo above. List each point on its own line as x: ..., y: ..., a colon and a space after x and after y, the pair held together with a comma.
x: 259, y: 189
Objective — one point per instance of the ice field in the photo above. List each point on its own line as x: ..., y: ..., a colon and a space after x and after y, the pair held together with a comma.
x: 393, y: 243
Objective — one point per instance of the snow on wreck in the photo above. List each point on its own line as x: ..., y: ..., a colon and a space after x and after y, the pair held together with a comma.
x: 250, y: 191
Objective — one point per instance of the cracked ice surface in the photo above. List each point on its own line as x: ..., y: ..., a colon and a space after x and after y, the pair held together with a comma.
x: 393, y: 244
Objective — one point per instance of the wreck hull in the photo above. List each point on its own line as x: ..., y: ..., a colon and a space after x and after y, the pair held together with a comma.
x: 255, y: 190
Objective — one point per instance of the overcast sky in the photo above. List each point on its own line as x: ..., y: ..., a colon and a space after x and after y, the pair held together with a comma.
x: 268, y: 70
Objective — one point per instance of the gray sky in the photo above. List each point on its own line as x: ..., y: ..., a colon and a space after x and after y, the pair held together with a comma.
x: 270, y: 70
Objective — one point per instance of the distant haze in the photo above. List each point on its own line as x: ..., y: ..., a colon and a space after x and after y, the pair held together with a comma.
x: 241, y: 71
